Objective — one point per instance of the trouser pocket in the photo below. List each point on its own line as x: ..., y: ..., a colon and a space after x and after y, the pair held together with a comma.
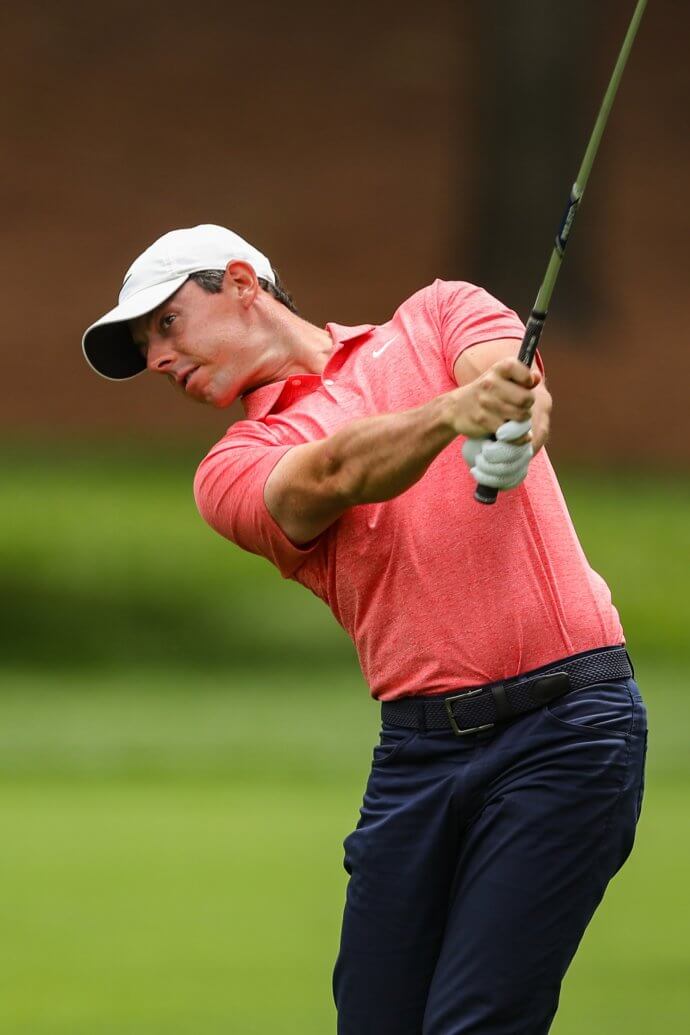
x: 603, y: 709
x: 393, y: 740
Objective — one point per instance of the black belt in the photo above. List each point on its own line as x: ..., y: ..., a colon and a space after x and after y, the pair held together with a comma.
x: 472, y: 710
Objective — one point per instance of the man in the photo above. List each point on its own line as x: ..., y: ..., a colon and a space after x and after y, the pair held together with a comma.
x: 507, y: 785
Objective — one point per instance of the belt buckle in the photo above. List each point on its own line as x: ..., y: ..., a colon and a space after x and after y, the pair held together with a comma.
x: 456, y: 729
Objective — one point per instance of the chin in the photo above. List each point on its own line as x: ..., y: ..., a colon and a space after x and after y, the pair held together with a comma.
x: 220, y: 400
x: 204, y: 395
x: 209, y: 399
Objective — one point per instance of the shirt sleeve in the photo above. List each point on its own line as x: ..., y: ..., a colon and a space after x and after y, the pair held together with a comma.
x: 468, y: 315
x: 229, y: 493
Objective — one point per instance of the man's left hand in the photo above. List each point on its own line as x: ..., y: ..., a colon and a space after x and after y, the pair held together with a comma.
x: 501, y: 464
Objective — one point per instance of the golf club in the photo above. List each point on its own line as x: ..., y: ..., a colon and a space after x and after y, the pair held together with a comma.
x: 537, y: 317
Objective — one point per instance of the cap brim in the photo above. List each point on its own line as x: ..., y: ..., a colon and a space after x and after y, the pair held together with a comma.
x: 108, y: 344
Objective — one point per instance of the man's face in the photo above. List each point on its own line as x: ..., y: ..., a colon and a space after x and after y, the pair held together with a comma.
x: 201, y: 341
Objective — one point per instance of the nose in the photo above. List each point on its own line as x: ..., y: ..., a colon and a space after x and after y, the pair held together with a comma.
x: 160, y: 357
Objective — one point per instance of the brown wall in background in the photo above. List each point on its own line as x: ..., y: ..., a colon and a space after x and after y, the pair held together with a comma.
x: 343, y: 141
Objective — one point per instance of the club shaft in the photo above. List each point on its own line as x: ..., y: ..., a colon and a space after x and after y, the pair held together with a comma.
x: 537, y: 318
x: 541, y: 306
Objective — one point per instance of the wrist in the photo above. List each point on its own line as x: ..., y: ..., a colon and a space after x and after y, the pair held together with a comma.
x: 453, y: 413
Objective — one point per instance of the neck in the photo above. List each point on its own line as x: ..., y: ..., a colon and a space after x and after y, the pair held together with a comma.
x: 293, y: 346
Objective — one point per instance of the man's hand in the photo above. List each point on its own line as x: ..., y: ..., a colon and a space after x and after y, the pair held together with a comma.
x: 504, y: 392
x: 502, y: 464
x: 472, y: 364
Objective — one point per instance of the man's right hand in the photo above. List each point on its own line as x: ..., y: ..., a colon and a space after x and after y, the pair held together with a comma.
x: 503, y: 392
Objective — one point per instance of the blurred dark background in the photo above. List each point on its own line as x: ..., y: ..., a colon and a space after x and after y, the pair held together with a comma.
x: 366, y: 149
x: 184, y: 736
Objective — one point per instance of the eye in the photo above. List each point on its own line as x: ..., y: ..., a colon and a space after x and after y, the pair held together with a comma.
x: 166, y: 321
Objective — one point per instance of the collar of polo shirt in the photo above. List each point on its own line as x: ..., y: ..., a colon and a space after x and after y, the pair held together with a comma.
x: 259, y: 402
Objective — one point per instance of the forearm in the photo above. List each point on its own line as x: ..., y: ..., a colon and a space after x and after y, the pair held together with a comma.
x: 541, y: 417
x: 379, y: 457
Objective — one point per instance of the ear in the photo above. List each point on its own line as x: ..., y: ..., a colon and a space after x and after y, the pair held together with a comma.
x: 241, y: 278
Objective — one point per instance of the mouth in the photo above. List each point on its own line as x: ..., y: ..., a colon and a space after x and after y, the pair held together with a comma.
x: 185, y: 378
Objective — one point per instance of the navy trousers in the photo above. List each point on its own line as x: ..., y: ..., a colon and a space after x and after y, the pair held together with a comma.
x: 478, y: 862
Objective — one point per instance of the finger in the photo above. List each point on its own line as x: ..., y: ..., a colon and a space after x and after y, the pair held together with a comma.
x: 509, y: 413
x: 512, y: 369
x: 506, y: 400
x: 494, y: 481
x: 495, y: 478
x: 471, y: 450
x: 506, y: 452
x: 490, y: 480
x: 513, y: 430
x: 503, y: 468
x: 509, y: 392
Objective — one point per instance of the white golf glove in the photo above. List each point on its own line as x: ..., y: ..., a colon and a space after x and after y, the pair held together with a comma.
x: 500, y: 464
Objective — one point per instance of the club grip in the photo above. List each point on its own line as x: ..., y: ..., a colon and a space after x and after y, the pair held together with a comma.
x: 535, y: 325
x: 485, y: 494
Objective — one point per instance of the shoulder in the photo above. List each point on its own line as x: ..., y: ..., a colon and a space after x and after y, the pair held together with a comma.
x: 235, y: 456
x: 464, y: 294
x: 229, y: 492
x: 450, y: 316
x: 243, y: 433
x: 440, y: 295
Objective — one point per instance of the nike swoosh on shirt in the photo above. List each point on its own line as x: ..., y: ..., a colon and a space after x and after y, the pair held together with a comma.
x: 377, y: 352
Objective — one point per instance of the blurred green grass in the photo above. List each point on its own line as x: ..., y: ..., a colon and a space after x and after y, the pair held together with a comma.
x: 162, y: 908
x: 105, y: 562
x: 258, y: 726
x: 184, y: 743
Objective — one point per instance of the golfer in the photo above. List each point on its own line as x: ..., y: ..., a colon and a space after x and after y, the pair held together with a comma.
x: 506, y: 788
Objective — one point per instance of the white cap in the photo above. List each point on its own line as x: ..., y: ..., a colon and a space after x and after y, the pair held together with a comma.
x: 157, y: 274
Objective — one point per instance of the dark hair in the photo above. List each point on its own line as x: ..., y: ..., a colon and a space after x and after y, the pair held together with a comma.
x: 212, y: 280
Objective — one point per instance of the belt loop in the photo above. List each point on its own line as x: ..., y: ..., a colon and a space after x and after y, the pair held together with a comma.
x: 503, y: 709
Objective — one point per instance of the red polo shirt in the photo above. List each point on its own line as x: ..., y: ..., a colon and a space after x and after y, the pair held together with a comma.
x: 436, y: 591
